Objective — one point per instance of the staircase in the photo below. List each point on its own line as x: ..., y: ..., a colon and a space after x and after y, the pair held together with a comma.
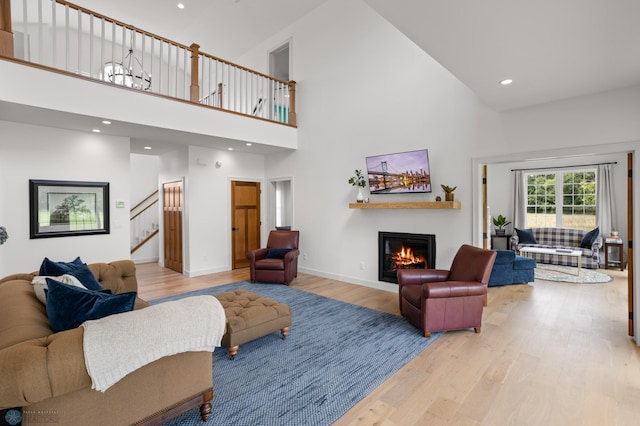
x: 144, y: 221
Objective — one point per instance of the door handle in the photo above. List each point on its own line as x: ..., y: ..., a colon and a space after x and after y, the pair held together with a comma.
x: 234, y: 229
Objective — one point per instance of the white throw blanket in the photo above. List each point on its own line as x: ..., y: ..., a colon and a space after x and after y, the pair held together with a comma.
x: 116, y: 345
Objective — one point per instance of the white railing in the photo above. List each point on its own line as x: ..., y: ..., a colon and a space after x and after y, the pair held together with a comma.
x: 67, y: 37
x: 145, y: 222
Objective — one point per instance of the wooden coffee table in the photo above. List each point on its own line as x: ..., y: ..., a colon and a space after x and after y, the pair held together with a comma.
x: 570, y: 253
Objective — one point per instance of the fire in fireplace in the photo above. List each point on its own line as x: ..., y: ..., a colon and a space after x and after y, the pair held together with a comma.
x: 399, y: 250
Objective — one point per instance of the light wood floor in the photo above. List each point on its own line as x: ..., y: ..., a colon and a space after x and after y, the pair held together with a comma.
x: 549, y: 354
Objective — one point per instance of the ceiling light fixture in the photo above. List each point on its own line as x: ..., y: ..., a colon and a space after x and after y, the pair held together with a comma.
x: 180, y: 6
x: 249, y: 144
x: 96, y: 130
x: 229, y: 149
x: 147, y: 147
x: 128, y: 72
x: 506, y: 81
x: 106, y: 122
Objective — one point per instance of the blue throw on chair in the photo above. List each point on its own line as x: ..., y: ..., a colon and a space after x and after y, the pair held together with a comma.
x: 511, y: 269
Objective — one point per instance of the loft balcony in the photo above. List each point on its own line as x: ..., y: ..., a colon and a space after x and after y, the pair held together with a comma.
x: 66, y: 66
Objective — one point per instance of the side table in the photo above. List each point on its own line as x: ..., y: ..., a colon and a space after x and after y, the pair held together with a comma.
x: 615, y: 263
x: 504, y: 245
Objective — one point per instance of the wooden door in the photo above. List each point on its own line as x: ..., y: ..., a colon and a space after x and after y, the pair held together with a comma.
x: 172, y: 217
x: 485, y: 213
x: 245, y: 221
x: 630, y: 238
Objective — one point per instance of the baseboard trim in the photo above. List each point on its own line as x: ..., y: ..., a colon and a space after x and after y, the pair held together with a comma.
x: 392, y: 288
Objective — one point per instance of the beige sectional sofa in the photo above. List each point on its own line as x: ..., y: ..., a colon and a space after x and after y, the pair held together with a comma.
x: 44, y: 372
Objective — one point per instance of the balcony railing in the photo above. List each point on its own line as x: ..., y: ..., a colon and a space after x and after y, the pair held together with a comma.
x: 69, y: 38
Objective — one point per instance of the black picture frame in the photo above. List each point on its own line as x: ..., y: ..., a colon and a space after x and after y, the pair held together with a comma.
x: 68, y: 208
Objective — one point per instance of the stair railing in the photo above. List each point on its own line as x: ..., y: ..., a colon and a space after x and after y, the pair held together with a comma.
x: 144, y: 221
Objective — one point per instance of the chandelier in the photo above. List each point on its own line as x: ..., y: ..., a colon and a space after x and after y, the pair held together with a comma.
x: 125, y: 73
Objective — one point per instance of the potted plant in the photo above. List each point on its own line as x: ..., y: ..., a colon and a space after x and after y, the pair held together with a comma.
x: 500, y: 222
x: 359, y: 181
x: 448, y: 192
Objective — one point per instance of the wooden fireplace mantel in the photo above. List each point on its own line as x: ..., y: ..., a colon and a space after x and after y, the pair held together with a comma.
x: 408, y: 205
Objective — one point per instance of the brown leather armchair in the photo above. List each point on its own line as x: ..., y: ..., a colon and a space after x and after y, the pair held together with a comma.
x: 278, y: 262
x: 438, y: 300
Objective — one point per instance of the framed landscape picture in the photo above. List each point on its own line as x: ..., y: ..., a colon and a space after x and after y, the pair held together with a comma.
x: 65, y: 208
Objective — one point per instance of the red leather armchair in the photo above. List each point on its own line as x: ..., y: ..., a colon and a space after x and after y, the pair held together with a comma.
x: 278, y: 262
x: 438, y: 300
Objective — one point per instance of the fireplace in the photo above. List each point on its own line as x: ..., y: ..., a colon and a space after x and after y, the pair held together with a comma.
x: 399, y: 250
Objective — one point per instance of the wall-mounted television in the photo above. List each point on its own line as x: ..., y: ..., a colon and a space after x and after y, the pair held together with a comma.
x: 402, y: 172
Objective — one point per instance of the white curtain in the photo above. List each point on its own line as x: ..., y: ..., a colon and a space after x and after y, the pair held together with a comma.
x: 519, y: 200
x: 605, y: 207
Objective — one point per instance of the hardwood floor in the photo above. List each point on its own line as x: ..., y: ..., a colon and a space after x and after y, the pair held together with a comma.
x: 549, y: 354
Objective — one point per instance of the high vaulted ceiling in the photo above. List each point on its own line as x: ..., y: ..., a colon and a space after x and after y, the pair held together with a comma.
x: 552, y: 49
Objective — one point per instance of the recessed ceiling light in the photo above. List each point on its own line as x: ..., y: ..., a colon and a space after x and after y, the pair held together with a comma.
x: 106, y: 122
x: 147, y: 147
x: 506, y: 82
x: 96, y: 130
x: 180, y: 6
x: 249, y: 144
x: 229, y: 149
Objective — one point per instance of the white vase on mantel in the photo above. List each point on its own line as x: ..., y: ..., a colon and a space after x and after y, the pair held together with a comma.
x: 360, y: 196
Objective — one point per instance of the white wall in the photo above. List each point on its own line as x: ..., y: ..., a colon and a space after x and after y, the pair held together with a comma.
x: 208, y: 202
x: 365, y: 89
x: 33, y: 152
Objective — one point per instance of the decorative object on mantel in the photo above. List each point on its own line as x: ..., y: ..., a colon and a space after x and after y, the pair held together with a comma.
x: 448, y: 192
x: 438, y: 198
x: 3, y: 235
x: 359, y: 181
x: 500, y: 222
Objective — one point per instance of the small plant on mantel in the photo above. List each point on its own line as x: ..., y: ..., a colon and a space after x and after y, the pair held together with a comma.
x: 359, y: 181
x: 448, y: 192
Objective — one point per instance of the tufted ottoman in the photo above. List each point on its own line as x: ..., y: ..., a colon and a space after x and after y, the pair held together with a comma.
x: 250, y: 316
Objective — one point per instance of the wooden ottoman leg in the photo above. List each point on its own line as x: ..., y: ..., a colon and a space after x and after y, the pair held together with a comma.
x: 205, y: 408
x: 284, y: 332
x: 233, y: 351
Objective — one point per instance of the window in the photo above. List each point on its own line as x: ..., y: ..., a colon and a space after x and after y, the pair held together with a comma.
x: 564, y: 199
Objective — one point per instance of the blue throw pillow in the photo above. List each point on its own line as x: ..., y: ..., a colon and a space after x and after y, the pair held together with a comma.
x: 589, y: 238
x: 525, y: 236
x: 277, y: 253
x: 77, y: 268
x: 68, y: 306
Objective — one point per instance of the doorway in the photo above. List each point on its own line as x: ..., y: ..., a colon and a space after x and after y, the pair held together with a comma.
x: 625, y: 177
x: 172, y: 220
x: 280, y: 61
x: 245, y: 221
x: 280, y: 204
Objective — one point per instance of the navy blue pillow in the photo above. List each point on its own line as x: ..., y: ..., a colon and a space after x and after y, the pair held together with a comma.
x: 589, y: 238
x: 277, y: 253
x: 76, y: 268
x: 525, y: 236
x: 68, y: 306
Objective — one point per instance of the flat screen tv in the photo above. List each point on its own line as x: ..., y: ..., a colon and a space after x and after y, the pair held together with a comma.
x: 402, y: 172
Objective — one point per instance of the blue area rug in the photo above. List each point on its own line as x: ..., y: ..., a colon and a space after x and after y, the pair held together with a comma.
x: 335, y: 354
